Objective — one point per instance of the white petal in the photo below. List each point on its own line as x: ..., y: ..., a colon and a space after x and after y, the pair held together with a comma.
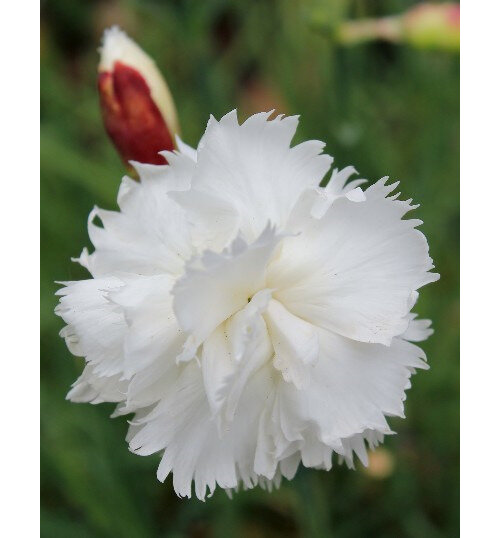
x: 353, y: 387
x: 150, y: 234
x: 355, y: 271
x: 214, y: 221
x: 295, y: 343
x: 242, y: 327
x: 151, y: 385
x: 153, y: 332
x: 95, y: 389
x: 96, y: 328
x: 185, y: 149
x: 194, y: 450
x: 356, y: 445
x: 337, y: 188
x: 289, y: 465
x: 252, y: 168
x: 418, y: 329
x: 220, y: 284
x: 258, y: 352
x: 217, y: 366
x: 316, y: 454
x: 265, y: 463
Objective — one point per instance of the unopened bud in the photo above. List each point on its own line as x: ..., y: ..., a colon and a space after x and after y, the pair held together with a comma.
x: 137, y: 108
x: 427, y: 26
x: 433, y: 26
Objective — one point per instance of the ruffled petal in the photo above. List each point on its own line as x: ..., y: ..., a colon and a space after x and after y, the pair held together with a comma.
x: 150, y: 235
x: 152, y: 329
x: 95, y: 328
x: 355, y: 271
x: 353, y: 387
x: 295, y: 343
x: 220, y: 284
x: 252, y: 169
x: 195, y: 451
x: 94, y: 389
x: 418, y: 329
x: 217, y: 366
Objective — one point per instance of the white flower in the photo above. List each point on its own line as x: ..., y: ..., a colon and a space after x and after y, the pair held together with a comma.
x: 248, y: 317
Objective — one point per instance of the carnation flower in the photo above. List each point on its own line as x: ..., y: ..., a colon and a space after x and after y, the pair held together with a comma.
x: 249, y: 318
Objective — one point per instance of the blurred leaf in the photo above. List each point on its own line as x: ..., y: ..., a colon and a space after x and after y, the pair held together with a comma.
x: 57, y: 158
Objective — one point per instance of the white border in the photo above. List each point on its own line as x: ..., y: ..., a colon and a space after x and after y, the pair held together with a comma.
x: 480, y: 267
x: 20, y: 276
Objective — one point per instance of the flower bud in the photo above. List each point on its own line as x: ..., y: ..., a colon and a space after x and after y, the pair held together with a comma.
x: 433, y: 26
x: 426, y: 26
x: 137, y: 107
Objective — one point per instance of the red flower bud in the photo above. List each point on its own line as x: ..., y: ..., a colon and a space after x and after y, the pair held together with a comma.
x: 137, y: 108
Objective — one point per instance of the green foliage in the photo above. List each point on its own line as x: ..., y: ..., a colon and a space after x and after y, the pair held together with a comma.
x: 385, y: 109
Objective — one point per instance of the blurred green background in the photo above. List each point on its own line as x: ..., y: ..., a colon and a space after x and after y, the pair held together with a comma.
x: 387, y: 109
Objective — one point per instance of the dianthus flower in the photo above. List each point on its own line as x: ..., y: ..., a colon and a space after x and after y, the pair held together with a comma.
x: 249, y: 318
